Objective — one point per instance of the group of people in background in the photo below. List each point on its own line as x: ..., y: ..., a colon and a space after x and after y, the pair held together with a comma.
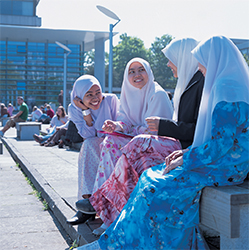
x: 144, y: 161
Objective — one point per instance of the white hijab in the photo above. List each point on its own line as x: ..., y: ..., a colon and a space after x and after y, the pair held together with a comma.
x: 80, y: 87
x: 136, y: 104
x: 178, y: 51
x: 227, y: 79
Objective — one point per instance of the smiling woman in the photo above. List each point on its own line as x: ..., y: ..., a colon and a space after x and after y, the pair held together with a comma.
x: 88, y: 110
x: 93, y: 98
x: 137, y: 75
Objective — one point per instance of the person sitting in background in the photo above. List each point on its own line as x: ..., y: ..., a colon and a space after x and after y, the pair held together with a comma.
x: 45, y: 107
x: 21, y: 116
x: 50, y: 111
x: 56, y: 137
x: 42, y: 109
x: 71, y: 136
x: 44, y: 118
x: 59, y: 119
x: 10, y: 109
x: 36, y: 114
x: 4, y: 111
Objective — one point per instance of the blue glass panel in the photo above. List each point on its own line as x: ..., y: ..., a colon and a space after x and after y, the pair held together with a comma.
x: 5, y: 7
x: 27, y: 8
x: 17, y: 8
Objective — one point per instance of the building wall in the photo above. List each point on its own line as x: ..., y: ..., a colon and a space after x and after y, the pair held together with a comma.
x: 35, y: 71
x: 19, y: 12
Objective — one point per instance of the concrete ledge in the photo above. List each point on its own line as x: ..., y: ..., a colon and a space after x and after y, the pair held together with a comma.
x: 226, y: 209
x: 25, y: 130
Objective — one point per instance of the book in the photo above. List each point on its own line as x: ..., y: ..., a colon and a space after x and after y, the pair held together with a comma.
x: 117, y: 133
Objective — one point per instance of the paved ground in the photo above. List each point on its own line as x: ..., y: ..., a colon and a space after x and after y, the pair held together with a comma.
x: 53, y: 172
x: 24, y: 223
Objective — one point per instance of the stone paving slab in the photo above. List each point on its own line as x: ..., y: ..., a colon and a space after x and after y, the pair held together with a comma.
x: 54, y: 173
x: 24, y: 223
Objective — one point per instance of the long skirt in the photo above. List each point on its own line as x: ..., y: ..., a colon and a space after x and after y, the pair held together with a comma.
x: 88, y: 162
x: 141, y: 153
x: 110, y: 151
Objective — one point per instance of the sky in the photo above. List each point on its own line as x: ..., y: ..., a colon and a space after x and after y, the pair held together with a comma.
x: 148, y: 19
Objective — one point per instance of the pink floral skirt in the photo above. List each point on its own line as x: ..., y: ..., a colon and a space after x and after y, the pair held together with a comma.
x: 141, y: 153
x: 110, y: 151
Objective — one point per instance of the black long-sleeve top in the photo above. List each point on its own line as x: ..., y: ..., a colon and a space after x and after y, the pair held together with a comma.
x: 184, y: 128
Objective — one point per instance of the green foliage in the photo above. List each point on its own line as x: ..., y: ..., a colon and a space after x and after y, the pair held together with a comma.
x: 35, y: 191
x: 130, y: 47
x: 89, y: 62
x: 247, y: 59
x: 45, y: 205
x: 158, y: 62
x: 74, y: 245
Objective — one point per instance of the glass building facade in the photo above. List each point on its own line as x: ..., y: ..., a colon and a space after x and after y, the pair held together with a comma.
x: 35, y: 71
x: 17, y: 7
x: 32, y: 64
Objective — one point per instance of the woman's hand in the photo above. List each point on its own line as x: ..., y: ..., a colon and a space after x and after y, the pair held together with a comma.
x: 174, y: 160
x: 79, y: 103
x: 153, y: 123
x: 109, y: 126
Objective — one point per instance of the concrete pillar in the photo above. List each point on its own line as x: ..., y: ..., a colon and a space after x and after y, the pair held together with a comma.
x: 99, y: 62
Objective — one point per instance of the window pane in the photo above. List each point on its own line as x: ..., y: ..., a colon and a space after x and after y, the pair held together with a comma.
x: 27, y: 8
x: 5, y: 7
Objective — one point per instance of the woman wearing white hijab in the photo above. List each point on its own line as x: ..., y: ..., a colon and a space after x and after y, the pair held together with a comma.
x: 187, y: 96
x: 140, y: 97
x: 163, y: 211
x: 88, y: 110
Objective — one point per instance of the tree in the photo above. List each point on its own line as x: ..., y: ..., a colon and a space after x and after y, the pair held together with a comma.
x: 246, y: 58
x: 128, y: 48
x: 89, y: 62
x: 158, y: 62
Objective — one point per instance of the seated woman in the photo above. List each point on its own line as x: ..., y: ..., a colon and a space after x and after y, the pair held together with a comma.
x: 140, y: 98
x: 88, y: 110
x: 56, y: 137
x: 144, y: 151
x: 10, y: 109
x: 59, y: 119
x: 71, y: 136
x: 50, y: 111
x: 163, y: 210
x: 4, y: 112
x: 36, y: 114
